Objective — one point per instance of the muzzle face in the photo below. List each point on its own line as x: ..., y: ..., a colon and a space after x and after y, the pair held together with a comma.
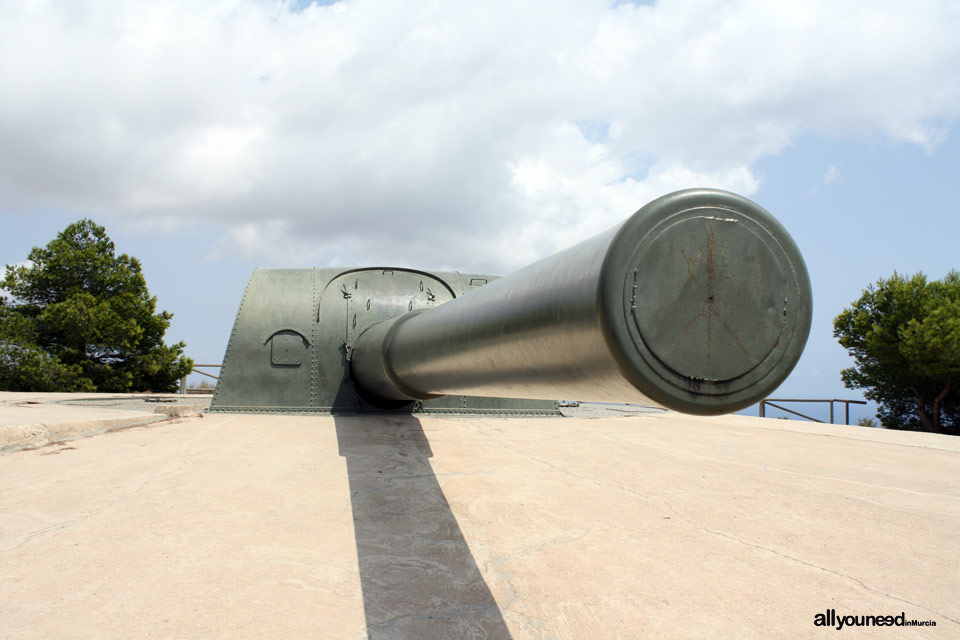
x: 712, y: 309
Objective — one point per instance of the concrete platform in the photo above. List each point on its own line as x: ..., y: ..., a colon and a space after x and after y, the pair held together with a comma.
x: 649, y: 526
x: 29, y: 420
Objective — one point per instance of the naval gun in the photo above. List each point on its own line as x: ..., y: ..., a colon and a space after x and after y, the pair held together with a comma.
x: 700, y: 302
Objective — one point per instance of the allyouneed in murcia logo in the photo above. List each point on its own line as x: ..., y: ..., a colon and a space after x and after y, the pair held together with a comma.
x: 830, y: 618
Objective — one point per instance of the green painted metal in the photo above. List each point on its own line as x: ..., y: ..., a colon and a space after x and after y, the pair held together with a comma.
x: 294, y: 330
x: 699, y: 302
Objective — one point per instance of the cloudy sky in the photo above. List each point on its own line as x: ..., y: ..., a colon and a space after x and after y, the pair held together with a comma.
x: 213, y: 137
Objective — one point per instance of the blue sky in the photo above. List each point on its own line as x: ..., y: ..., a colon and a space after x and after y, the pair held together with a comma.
x: 211, y: 138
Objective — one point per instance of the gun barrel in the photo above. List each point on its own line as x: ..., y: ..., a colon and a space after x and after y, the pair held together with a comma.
x: 699, y: 302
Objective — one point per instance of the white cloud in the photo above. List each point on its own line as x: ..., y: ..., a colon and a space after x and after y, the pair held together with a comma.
x: 832, y: 175
x: 473, y: 135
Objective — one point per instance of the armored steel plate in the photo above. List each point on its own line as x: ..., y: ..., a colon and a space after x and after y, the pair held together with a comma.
x: 291, y: 341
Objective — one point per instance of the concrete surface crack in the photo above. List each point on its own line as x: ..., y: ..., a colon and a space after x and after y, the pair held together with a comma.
x: 443, y: 614
x: 555, y: 542
x: 825, y: 570
x: 842, y: 437
x: 536, y: 628
x: 31, y: 535
x: 767, y: 468
x: 148, y: 481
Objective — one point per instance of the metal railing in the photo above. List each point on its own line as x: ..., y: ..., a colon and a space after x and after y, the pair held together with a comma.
x: 183, y: 380
x: 771, y: 401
